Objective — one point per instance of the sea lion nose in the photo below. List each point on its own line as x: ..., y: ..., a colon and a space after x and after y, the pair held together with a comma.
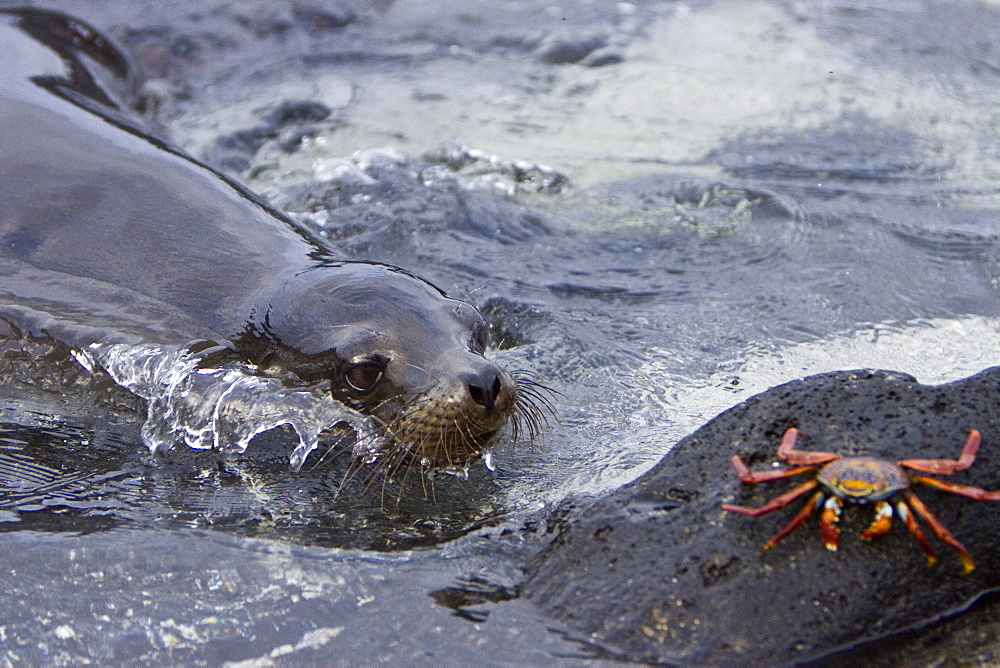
x: 484, y: 389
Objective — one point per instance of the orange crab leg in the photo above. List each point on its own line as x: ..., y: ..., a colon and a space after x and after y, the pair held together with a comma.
x: 976, y: 493
x: 746, y: 475
x: 788, y: 452
x: 773, y: 504
x: 881, y: 524
x: 941, y: 531
x: 828, y: 522
x: 948, y: 466
x: 911, y: 523
x: 799, y: 518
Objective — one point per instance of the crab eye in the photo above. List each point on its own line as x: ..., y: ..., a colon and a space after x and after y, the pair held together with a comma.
x: 364, y: 376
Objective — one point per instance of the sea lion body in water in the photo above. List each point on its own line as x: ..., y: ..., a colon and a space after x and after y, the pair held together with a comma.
x: 110, y: 235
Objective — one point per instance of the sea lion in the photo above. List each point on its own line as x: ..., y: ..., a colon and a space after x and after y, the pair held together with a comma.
x: 109, y: 234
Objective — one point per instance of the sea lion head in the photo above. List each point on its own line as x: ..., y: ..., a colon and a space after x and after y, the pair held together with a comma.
x: 395, y: 347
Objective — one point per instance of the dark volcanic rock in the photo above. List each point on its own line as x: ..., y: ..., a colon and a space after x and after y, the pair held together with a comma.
x: 658, y: 572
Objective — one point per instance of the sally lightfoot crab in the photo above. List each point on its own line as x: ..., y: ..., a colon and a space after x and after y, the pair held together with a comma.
x: 863, y: 480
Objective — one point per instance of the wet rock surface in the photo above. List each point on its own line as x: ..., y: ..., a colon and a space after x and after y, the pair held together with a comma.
x: 656, y: 572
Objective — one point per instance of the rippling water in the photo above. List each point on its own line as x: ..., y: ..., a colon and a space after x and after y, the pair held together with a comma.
x: 742, y: 195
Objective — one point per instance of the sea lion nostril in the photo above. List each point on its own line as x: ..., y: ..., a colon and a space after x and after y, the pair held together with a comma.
x: 485, y: 394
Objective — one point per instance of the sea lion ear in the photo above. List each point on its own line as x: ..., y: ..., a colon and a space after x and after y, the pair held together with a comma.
x: 470, y: 318
x: 468, y: 314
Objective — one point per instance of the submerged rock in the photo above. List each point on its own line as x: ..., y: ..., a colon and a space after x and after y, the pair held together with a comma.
x: 657, y: 572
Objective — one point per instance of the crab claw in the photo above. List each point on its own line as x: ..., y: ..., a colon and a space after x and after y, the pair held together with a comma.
x: 881, y: 524
x: 828, y: 523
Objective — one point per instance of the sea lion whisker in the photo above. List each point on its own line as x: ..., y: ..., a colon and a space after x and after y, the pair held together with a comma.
x: 536, y: 418
x: 538, y: 404
x: 353, y: 469
x: 385, y: 483
x: 541, y: 393
x: 359, y: 439
x: 522, y: 424
x: 515, y: 427
x: 356, y: 467
x: 380, y: 467
x: 541, y: 403
x: 529, y: 395
x: 336, y: 445
x: 433, y: 481
x: 523, y: 421
x: 409, y: 464
x: 532, y: 412
x: 402, y: 485
x: 458, y: 437
x: 531, y: 402
x: 531, y: 377
x: 527, y: 377
x: 396, y: 458
x: 471, y: 435
x: 537, y: 389
x: 358, y: 464
x: 388, y: 430
x: 434, y: 379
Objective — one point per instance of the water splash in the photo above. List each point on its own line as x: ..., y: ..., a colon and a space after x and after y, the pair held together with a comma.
x: 222, y: 408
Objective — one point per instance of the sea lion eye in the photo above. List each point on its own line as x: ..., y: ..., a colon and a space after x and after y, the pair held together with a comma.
x: 364, y: 376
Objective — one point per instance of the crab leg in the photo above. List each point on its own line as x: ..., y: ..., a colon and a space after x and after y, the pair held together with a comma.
x: 941, y: 531
x: 828, y: 522
x: 746, y: 475
x: 881, y: 524
x: 788, y: 452
x: 773, y: 504
x: 911, y: 523
x: 814, y: 501
x: 976, y: 493
x: 948, y: 466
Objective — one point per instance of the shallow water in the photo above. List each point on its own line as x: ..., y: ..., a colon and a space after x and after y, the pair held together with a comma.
x: 745, y: 195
